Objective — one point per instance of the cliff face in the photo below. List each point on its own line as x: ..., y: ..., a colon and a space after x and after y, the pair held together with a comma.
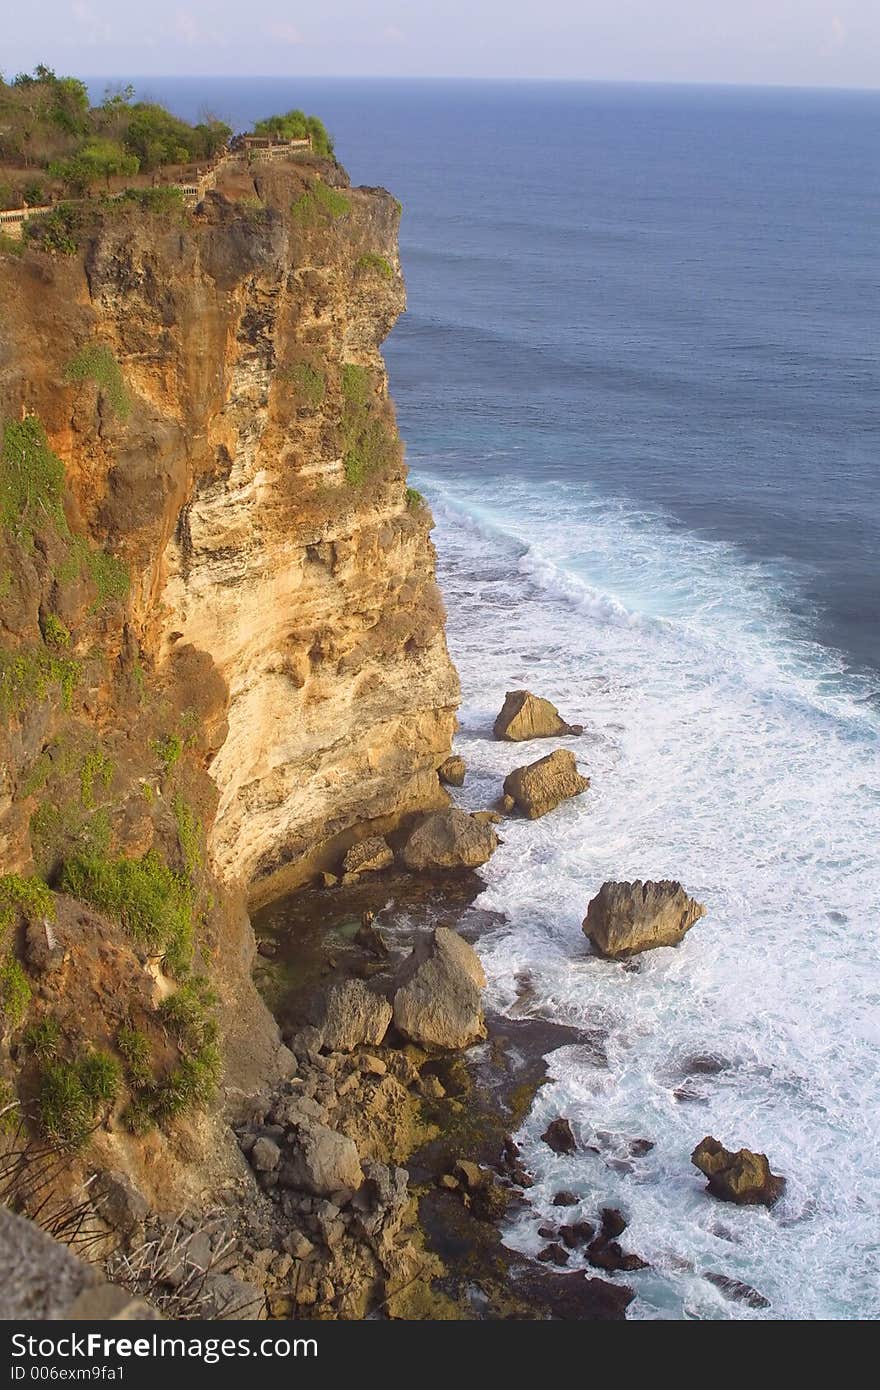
x: 222, y: 642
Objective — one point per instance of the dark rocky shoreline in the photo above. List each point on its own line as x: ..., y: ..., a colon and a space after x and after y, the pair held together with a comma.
x: 469, y: 1102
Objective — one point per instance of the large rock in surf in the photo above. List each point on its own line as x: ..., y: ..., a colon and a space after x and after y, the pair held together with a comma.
x: 438, y: 1000
x: 742, y: 1177
x: 354, y: 1016
x: 524, y: 716
x: 625, y: 918
x: 450, y: 840
x: 541, y: 786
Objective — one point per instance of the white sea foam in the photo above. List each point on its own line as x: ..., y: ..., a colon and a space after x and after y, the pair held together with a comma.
x: 727, y: 751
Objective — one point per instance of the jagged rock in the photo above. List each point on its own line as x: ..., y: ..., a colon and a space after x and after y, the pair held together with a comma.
x: 368, y: 857
x: 524, y: 716
x: 449, y: 840
x: 614, y: 1223
x: 119, y: 1202
x: 565, y: 1199
x: 541, y: 786
x: 578, y: 1233
x: 469, y: 1174
x: 265, y: 1155
x: 321, y: 1161
x: 487, y: 817
x: 369, y: 938
x: 438, y: 999
x: 625, y: 918
x: 452, y: 771
x: 41, y: 1278
x: 298, y: 1245
x: 553, y: 1254
x: 329, y: 880
x: 742, y: 1177
x: 559, y: 1138
x: 736, y: 1290
x: 110, y: 1303
x: 607, y: 1254
x: 507, y: 803
x: 354, y: 1016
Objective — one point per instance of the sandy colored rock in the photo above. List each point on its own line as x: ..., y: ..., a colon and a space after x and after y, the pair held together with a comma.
x: 368, y: 856
x: 449, y: 841
x: 438, y: 999
x: 321, y: 1161
x: 625, y: 918
x: 354, y: 1016
x: 524, y: 716
x: 452, y: 772
x: 541, y: 786
x: 742, y: 1177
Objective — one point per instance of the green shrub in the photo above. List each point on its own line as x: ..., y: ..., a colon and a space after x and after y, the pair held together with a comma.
x: 29, y: 675
x: 43, y: 1039
x: 153, y: 200
x: 62, y: 830
x: 66, y: 1111
x: 58, y: 231
x: 414, y: 498
x: 10, y: 246
x: 191, y: 1085
x: 169, y: 750
x: 372, y: 261
x: 31, y: 481
x: 108, y: 574
x: 95, y: 767
x: 188, y: 1014
x: 296, y: 125
x: 15, y: 992
x: 189, y: 835
x: 154, y: 904
x: 137, y: 1054
x: 367, y: 442
x: 55, y: 634
x: 96, y: 363
x: 100, y: 1077
x: 319, y: 203
x: 308, y: 383
x: 31, y: 896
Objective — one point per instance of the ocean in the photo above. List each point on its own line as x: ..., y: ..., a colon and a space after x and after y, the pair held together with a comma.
x: 638, y: 380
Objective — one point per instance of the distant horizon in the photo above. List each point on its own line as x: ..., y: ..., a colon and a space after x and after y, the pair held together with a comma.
x: 498, y: 81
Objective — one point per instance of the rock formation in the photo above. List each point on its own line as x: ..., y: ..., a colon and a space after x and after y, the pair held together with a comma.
x: 449, y: 841
x: 626, y: 918
x: 438, y: 999
x: 543, y: 785
x: 742, y: 1177
x: 524, y: 716
x: 452, y: 772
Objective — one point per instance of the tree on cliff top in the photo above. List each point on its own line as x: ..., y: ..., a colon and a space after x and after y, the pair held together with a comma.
x: 296, y: 125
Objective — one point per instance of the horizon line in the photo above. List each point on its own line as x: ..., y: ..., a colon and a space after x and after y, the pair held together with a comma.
x: 429, y: 77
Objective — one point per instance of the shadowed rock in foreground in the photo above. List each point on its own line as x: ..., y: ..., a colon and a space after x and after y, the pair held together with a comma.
x: 626, y: 918
x: 438, y: 1002
x: 450, y: 841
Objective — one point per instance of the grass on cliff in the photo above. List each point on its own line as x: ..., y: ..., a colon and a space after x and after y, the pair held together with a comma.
x: 29, y: 896
x: 15, y: 992
x: 368, y: 444
x: 31, y: 673
x: 308, y: 383
x: 320, y: 203
x: 371, y: 261
x: 31, y: 482
x: 72, y: 1095
x: 97, y: 364
x: 154, y: 904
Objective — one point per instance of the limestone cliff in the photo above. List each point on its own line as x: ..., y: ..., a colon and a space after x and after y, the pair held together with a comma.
x: 222, y: 649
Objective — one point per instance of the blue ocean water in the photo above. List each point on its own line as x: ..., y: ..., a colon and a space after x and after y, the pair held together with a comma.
x: 638, y: 380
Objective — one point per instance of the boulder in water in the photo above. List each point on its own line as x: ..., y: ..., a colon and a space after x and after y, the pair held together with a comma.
x: 541, y: 786
x: 367, y: 857
x: 626, y: 918
x: 558, y: 1136
x: 742, y: 1177
x: 452, y: 771
x: 524, y: 716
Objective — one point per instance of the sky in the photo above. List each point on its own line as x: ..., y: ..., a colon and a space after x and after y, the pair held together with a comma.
x: 832, y: 43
